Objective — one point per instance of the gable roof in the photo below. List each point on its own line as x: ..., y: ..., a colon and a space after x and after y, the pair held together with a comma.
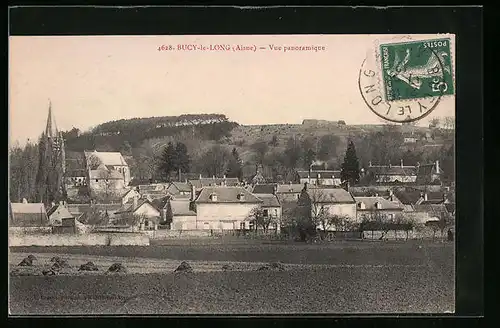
x: 269, y: 200
x: 181, y: 207
x: 108, y: 158
x: 181, y: 186
x: 408, y: 196
x: 226, y: 195
x: 289, y: 188
x: 129, y: 207
x: 160, y: 203
x: 59, y: 212
x: 371, y: 201
x: 263, y: 188
x: 28, y: 215
x: 329, y: 195
x: 434, y: 209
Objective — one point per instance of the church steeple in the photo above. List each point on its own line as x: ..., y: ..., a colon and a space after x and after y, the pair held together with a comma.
x: 51, y: 128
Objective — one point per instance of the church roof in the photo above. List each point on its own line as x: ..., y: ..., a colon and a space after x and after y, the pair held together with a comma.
x: 51, y: 128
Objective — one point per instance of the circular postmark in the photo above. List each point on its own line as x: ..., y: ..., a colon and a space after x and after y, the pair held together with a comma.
x: 398, y: 92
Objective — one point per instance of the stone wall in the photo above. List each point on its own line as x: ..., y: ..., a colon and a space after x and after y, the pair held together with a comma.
x: 92, y: 239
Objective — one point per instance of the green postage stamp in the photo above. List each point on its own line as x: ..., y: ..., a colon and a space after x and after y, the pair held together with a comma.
x: 417, y: 69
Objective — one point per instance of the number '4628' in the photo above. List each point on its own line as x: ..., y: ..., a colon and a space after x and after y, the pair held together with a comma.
x: 165, y: 47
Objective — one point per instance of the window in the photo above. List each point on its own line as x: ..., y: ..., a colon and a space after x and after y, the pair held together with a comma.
x: 266, y: 213
x: 276, y: 212
x: 96, y: 180
x: 242, y: 225
x: 251, y: 225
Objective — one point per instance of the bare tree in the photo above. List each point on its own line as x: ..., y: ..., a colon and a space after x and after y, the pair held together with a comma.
x: 93, y: 161
x: 449, y: 123
x: 260, y: 218
x: 434, y: 123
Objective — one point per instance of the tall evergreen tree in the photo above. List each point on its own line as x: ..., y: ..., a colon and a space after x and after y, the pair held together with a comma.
x: 235, y: 165
x: 168, y: 161
x: 350, y: 166
x: 182, y: 161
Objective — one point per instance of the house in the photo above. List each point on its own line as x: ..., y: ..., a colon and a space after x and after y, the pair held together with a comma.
x: 179, y: 189
x: 129, y: 194
x: 148, y: 213
x: 392, y: 173
x: 429, y: 174
x: 319, y: 177
x: 271, y: 208
x: 58, y: 212
x: 410, y: 138
x: 183, y: 216
x: 153, y: 191
x: 430, y: 212
x: 258, y: 177
x: 289, y: 192
x: 331, y: 201
x: 103, y: 180
x: 76, y: 178
x: 226, y: 208
x: 112, y: 161
x: 80, y: 211
x: 377, y: 207
x: 28, y: 215
x: 210, y: 182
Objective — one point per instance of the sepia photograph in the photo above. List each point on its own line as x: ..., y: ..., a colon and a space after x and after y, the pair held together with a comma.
x: 231, y: 174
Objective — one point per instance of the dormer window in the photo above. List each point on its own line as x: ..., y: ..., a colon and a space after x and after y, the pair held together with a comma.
x: 241, y: 197
x: 213, y: 197
x: 378, y: 206
x: 361, y: 206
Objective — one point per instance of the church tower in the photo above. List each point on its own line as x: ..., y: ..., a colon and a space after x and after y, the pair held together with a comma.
x: 52, y: 162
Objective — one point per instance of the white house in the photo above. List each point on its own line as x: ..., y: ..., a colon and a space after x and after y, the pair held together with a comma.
x: 112, y: 161
x: 225, y: 208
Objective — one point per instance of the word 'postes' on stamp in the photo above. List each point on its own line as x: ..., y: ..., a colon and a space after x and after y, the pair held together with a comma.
x: 400, y: 111
x: 417, y: 69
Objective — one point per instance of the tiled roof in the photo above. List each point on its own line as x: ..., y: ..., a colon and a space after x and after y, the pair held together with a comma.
x: 160, y: 203
x: 290, y: 188
x: 129, y: 207
x: 59, y: 212
x: 28, y: 215
x: 393, y: 170
x: 263, y: 188
x: 108, y: 158
x: 269, y: 200
x: 330, y: 195
x: 181, y: 186
x: 226, y: 195
x: 76, y: 173
x: 434, y: 209
x: 152, y: 187
x: 326, y: 174
x: 207, y: 182
x: 103, y: 174
x: 371, y: 201
x: 408, y: 197
x: 181, y: 207
x: 77, y: 209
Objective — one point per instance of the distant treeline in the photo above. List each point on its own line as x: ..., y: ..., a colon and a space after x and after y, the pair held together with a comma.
x: 113, y: 135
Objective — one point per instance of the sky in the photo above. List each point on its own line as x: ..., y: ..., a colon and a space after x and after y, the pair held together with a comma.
x: 94, y: 79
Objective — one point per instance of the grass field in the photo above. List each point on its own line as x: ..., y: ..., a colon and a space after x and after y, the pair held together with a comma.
x: 348, y: 277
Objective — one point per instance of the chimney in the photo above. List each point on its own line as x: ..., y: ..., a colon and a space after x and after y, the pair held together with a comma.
x: 163, y: 214
x: 438, y: 171
x: 200, y: 176
x: 401, y: 162
x: 290, y: 183
x: 135, y: 203
x: 224, y: 176
x: 25, y: 201
x: 60, y: 202
x: 425, y: 197
x: 193, y: 193
x: 370, y: 164
x: 52, y: 204
x: 213, y: 176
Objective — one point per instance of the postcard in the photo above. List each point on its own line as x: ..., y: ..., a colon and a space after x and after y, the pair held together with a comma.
x: 232, y: 174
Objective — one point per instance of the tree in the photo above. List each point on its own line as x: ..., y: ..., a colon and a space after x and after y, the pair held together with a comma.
x: 293, y: 153
x: 434, y: 123
x: 235, y: 165
x: 126, y: 148
x: 274, y: 141
x: 93, y: 161
x: 350, y: 166
x: 260, y: 219
x: 327, y: 147
x: 260, y: 148
x: 449, y: 122
x: 49, y: 178
x: 169, y: 215
x: 183, y: 161
x: 215, y: 161
x: 168, y: 161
